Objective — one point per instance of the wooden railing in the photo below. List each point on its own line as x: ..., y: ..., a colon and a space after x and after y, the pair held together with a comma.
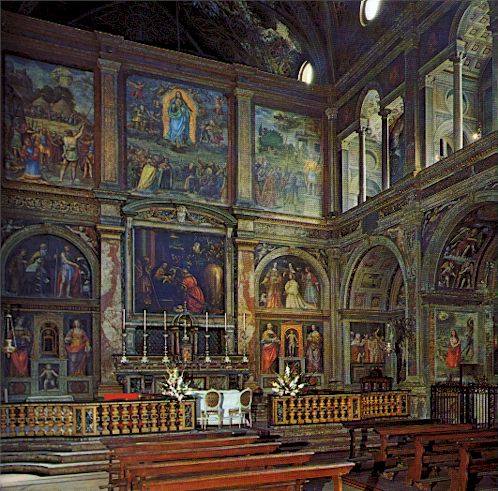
x: 337, y: 408
x: 94, y: 419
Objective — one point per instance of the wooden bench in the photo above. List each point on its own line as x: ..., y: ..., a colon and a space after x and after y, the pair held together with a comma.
x: 476, y: 460
x: 434, y: 450
x: 364, y: 426
x: 136, y: 475
x: 388, y: 448
x: 181, y: 444
x: 254, y: 480
x: 118, y: 476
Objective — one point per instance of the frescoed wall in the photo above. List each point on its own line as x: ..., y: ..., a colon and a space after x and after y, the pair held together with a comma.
x: 175, y: 268
x: 367, y: 348
x: 455, y: 342
x: 49, y: 123
x: 296, y: 344
x: 47, y: 266
x: 177, y: 139
x: 289, y: 282
x: 287, y: 170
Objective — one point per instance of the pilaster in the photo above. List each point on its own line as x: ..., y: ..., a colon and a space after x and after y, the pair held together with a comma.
x: 335, y: 164
x: 429, y: 120
x: 457, y: 60
x: 111, y: 302
x: 411, y: 104
x: 362, y: 171
x: 244, y: 146
x: 335, y: 368
x: 246, y: 300
x: 109, y: 173
x: 386, y: 171
x: 494, y: 64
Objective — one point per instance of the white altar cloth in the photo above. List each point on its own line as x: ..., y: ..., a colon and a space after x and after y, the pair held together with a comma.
x: 230, y: 400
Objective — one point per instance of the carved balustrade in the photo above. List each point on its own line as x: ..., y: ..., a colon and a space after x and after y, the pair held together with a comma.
x: 337, y: 408
x: 96, y: 418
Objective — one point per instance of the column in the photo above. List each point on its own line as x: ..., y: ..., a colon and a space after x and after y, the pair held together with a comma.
x: 109, y: 144
x: 430, y: 154
x: 362, y: 162
x: 334, y: 359
x: 335, y: 164
x: 386, y: 171
x: 111, y: 304
x: 244, y: 147
x: 411, y: 104
x: 246, y: 301
x: 457, y: 100
x: 494, y: 65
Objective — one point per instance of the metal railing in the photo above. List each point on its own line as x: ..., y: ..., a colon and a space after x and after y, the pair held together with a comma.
x: 453, y: 403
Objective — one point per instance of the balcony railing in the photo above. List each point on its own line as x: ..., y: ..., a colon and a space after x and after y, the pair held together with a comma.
x: 337, y: 408
x: 95, y: 419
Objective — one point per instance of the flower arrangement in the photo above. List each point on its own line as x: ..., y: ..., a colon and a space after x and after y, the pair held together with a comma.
x: 175, y: 386
x: 288, y: 384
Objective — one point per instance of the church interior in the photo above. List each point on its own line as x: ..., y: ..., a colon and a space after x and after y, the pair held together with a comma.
x: 249, y: 245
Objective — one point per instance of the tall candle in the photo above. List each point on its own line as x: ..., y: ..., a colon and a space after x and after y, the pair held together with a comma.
x: 225, y: 322
x: 207, y: 322
x: 124, y: 320
x: 164, y: 321
x: 145, y: 320
x: 244, y: 323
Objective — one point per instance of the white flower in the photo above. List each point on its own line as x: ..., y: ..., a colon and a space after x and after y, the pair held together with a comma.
x: 286, y: 384
x: 175, y: 386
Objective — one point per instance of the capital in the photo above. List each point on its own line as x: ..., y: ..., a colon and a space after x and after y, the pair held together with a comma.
x: 243, y: 93
x: 458, y: 57
x: 384, y: 112
x: 109, y: 65
x: 331, y: 112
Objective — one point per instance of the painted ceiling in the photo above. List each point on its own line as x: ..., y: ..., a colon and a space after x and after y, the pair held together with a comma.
x: 273, y: 36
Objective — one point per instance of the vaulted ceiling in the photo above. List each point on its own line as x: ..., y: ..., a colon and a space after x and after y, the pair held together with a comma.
x: 273, y: 36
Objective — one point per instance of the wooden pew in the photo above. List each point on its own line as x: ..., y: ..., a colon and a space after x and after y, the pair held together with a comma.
x: 432, y: 450
x: 136, y: 475
x: 477, y: 459
x: 187, y: 454
x: 408, y: 432
x: 170, y: 444
x: 253, y: 480
x: 119, y: 441
x: 181, y: 444
x: 364, y: 426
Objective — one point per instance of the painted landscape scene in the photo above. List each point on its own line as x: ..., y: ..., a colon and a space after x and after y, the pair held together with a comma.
x: 177, y: 139
x: 287, y: 170
x: 48, y: 121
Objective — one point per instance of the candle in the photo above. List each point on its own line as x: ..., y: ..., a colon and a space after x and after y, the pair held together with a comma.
x: 124, y: 320
x: 145, y: 321
x: 225, y: 322
x: 244, y: 322
x: 207, y: 322
x: 164, y: 321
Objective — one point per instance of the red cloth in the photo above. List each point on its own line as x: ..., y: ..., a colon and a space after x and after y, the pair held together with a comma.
x: 132, y: 396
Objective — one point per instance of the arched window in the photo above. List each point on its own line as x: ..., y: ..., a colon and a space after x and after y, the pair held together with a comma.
x: 369, y: 10
x: 306, y: 73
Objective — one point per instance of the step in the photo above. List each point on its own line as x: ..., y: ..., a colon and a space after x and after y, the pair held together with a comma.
x: 54, y: 446
x: 74, y: 482
x: 55, y: 457
x: 51, y: 469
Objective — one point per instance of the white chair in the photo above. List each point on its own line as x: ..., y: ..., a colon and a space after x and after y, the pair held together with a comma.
x: 212, y: 405
x: 243, y: 411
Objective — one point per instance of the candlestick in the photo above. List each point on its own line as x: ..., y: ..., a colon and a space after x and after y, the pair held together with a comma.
x: 207, y: 358
x: 244, y: 357
x: 227, y: 358
x: 124, y: 359
x: 165, y: 325
x: 144, y: 357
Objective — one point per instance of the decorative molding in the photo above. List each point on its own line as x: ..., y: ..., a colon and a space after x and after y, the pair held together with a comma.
x: 50, y: 203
